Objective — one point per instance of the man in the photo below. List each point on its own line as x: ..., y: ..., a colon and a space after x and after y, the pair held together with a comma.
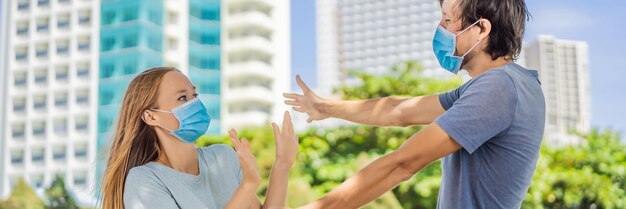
x: 488, y: 131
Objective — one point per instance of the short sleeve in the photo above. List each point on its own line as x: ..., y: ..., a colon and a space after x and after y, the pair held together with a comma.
x: 448, y: 98
x: 232, y: 159
x: 143, y: 190
x: 484, y: 109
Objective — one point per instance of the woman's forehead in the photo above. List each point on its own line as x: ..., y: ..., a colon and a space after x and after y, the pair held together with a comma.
x: 174, y: 82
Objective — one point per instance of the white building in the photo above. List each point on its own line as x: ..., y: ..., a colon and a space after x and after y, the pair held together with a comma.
x: 563, y: 67
x: 255, y: 61
x: 373, y: 36
x: 49, y: 72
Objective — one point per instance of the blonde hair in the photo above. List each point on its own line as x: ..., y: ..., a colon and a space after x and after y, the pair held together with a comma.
x: 135, y: 143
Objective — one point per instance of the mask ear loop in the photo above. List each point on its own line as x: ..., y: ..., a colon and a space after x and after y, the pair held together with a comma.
x: 165, y: 111
x: 476, y: 44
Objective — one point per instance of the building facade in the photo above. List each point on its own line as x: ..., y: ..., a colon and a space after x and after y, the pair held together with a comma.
x: 563, y: 67
x: 256, y: 61
x: 373, y: 36
x: 50, y: 65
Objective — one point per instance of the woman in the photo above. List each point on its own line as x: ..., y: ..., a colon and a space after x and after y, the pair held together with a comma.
x: 153, y: 162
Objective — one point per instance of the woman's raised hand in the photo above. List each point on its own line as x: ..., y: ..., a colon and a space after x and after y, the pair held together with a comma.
x: 286, y: 142
x: 247, y: 160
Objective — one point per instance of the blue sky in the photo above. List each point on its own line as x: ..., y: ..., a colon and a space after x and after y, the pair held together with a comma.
x: 599, y: 23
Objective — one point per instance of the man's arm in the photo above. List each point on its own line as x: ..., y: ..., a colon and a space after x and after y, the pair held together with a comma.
x: 387, y: 172
x: 387, y: 111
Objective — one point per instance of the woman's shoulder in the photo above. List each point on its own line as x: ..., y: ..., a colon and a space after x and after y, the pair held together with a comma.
x: 141, y: 175
x: 219, y: 152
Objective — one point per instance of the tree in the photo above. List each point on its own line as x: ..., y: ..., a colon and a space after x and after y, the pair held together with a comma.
x: 22, y: 197
x: 590, y: 175
x: 58, y: 196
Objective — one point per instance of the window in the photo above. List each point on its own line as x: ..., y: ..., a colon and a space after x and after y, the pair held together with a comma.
x: 42, y: 25
x: 83, y: 43
x: 20, y: 79
x: 130, y: 41
x: 82, y: 70
x: 43, y: 3
x: 23, y: 5
x: 82, y: 123
x: 63, y: 21
x: 21, y: 28
x: 38, y: 155
x: 60, y: 100
x: 39, y: 102
x: 63, y: 47
x: 58, y: 153
x: 37, y: 180
x: 108, y: 17
x: 108, y: 44
x: 17, y: 157
x: 106, y: 98
x: 84, y: 17
x: 18, y: 131
x: 80, y: 179
x: 21, y: 54
x: 172, y: 18
x: 82, y: 97
x: 41, y: 77
x: 80, y: 150
x: 41, y: 51
x: 39, y: 129
x: 62, y: 73
x: 172, y: 43
x: 129, y: 15
x: 107, y: 70
x: 60, y: 126
x: 19, y: 105
x: 129, y: 68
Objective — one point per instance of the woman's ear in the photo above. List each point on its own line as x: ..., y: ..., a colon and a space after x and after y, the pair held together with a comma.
x: 150, y: 118
x: 485, y: 28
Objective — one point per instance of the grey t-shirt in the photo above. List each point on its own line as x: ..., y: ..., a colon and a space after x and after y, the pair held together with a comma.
x: 154, y: 185
x: 498, y: 118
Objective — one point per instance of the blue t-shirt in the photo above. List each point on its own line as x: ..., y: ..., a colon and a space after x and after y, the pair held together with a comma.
x: 498, y: 118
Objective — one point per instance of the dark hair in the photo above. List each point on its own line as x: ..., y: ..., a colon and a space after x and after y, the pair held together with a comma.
x: 508, y: 22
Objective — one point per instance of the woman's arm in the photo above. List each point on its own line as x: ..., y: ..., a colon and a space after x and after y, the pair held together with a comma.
x: 286, y: 151
x: 245, y: 195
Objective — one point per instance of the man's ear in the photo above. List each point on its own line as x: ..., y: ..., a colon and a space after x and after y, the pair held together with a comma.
x: 150, y: 118
x: 485, y: 28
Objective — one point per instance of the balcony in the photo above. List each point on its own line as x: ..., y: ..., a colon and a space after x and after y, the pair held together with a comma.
x: 249, y: 18
x: 249, y: 69
x: 247, y: 119
x: 250, y: 43
x: 247, y: 94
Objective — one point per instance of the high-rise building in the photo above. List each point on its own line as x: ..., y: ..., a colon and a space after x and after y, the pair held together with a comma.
x: 373, y: 36
x: 49, y: 66
x: 256, y: 61
x: 563, y: 67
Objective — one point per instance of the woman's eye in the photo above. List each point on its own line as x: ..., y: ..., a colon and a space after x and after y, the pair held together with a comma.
x: 182, y: 98
x: 195, y: 95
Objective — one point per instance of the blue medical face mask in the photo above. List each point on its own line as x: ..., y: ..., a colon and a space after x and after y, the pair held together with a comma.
x: 193, y: 120
x: 444, y: 46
